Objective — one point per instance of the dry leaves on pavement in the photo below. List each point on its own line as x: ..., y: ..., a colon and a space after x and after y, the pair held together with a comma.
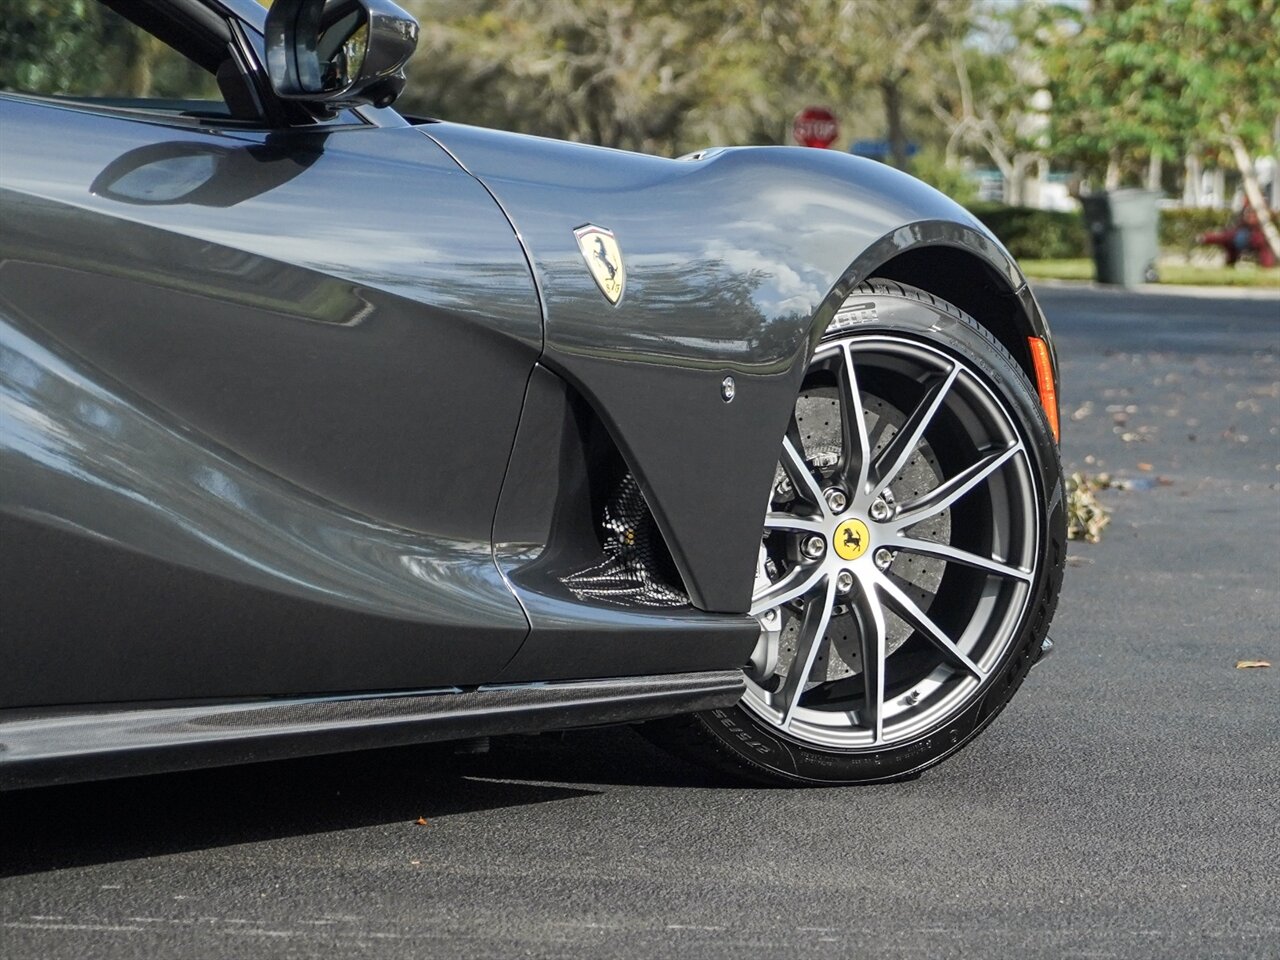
x: 1086, y: 516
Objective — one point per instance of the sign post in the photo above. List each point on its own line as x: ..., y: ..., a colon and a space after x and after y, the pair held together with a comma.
x: 815, y: 127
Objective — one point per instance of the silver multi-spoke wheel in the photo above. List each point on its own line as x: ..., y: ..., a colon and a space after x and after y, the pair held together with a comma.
x: 899, y: 546
x: 911, y: 558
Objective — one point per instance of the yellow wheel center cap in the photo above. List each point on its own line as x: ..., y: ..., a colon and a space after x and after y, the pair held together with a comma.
x: 852, y: 539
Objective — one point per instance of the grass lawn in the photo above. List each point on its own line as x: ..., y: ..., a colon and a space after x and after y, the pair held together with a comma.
x: 1249, y: 275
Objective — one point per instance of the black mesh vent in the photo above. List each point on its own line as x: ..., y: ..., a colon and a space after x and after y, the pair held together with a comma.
x: 635, y: 568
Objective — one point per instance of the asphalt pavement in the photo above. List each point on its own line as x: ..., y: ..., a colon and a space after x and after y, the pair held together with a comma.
x: 1127, y: 804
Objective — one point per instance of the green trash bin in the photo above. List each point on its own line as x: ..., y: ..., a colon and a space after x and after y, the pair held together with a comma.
x: 1124, y: 228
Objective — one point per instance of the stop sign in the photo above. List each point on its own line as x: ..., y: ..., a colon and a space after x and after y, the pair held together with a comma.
x: 815, y: 127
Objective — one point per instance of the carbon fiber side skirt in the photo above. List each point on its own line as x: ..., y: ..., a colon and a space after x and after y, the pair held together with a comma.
x: 44, y: 747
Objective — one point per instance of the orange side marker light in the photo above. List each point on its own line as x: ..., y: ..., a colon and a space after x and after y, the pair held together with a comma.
x: 1044, y: 382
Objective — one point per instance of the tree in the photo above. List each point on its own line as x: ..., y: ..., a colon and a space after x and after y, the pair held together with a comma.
x: 663, y: 77
x: 915, y: 34
x: 1164, y: 76
x: 614, y: 74
x: 1095, y: 126
x: 994, y: 100
x: 84, y: 48
x: 45, y: 45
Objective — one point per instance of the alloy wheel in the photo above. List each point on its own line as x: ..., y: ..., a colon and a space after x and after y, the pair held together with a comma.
x: 899, y: 549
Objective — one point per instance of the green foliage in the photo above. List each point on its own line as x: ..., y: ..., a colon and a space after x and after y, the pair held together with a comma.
x: 1180, y: 227
x: 1203, y: 65
x: 931, y: 167
x: 995, y: 102
x: 1130, y: 78
x: 1036, y: 234
x: 46, y: 45
x: 83, y: 48
x: 667, y: 78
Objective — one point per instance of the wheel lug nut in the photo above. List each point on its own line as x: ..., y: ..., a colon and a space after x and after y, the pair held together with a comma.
x: 836, y: 499
x: 844, y: 581
x: 813, y: 547
x: 883, y: 558
x: 881, y: 510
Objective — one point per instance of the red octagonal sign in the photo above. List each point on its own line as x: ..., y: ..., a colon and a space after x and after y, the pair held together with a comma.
x: 815, y: 127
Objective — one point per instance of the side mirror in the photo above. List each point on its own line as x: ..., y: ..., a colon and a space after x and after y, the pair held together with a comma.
x: 339, y: 53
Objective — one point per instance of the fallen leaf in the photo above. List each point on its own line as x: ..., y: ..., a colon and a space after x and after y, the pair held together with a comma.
x: 421, y: 821
x: 1251, y: 664
x: 1145, y: 467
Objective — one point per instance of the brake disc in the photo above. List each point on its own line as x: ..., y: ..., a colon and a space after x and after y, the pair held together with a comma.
x: 818, y: 421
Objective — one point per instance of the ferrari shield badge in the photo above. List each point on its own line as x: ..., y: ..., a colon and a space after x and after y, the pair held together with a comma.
x: 604, y: 259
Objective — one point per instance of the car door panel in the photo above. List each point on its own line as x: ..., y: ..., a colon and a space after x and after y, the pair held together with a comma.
x: 253, y: 412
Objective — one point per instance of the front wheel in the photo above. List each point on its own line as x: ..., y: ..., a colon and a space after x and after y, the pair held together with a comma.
x: 911, y: 556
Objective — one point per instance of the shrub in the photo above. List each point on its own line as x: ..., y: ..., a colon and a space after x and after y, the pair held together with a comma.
x: 1052, y: 235
x: 1032, y: 234
x: 931, y: 167
x: 1180, y: 226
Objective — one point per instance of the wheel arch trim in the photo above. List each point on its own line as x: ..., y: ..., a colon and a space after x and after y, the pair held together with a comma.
x: 967, y: 267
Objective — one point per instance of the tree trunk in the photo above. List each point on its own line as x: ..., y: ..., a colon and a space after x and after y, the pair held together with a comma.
x: 1220, y: 188
x: 1275, y: 165
x: 1191, y: 184
x: 141, y: 55
x: 1155, y: 171
x: 1034, y: 180
x: 1019, y: 191
x: 892, y: 95
x: 1112, y: 179
x: 1253, y: 189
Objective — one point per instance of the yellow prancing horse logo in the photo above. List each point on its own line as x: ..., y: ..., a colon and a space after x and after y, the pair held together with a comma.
x: 852, y: 539
x: 604, y: 259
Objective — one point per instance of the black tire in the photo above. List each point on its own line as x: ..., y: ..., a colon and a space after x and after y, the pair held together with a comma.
x: 740, y: 741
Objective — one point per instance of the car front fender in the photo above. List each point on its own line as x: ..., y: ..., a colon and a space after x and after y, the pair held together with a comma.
x: 736, y: 261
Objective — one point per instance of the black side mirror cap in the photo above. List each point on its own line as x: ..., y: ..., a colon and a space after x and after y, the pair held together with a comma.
x: 339, y: 53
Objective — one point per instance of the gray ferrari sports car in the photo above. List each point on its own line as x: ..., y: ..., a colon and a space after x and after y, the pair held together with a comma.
x: 325, y: 428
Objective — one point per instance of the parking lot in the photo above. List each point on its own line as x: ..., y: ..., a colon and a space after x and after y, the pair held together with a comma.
x: 1127, y: 804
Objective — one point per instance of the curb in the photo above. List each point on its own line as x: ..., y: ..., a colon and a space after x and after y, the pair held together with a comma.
x: 1162, y: 290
